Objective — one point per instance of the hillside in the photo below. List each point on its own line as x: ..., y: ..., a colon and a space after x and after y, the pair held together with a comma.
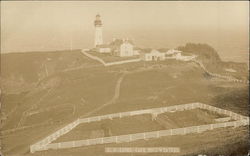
x: 20, y: 71
x: 212, y: 61
x: 77, y: 86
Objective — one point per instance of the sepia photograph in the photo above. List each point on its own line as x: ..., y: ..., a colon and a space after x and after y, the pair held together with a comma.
x: 124, y: 78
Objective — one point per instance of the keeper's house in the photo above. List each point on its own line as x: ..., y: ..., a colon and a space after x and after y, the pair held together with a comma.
x: 152, y: 55
x: 122, y: 48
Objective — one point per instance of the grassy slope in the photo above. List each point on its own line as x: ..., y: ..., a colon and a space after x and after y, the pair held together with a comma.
x: 58, y: 99
x: 177, y: 83
x: 147, y: 85
x: 20, y: 71
x: 213, y: 62
x: 128, y: 125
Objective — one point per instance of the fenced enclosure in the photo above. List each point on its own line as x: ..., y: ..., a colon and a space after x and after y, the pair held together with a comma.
x: 46, y: 143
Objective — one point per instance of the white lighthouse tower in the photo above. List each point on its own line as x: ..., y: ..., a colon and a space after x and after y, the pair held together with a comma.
x: 98, y: 30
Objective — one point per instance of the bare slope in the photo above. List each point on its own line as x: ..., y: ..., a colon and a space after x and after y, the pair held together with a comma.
x: 75, y: 89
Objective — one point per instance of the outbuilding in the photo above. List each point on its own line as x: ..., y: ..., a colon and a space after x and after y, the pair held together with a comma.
x: 152, y: 55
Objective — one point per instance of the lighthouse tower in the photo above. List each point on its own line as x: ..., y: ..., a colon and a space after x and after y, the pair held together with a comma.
x: 98, y: 30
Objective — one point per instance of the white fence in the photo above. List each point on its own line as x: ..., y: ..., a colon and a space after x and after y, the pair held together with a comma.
x: 122, y: 62
x: 229, y: 78
x: 93, y: 57
x: 109, y: 63
x: 46, y: 144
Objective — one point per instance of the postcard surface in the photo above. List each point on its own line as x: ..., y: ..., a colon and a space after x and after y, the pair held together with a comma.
x: 107, y: 78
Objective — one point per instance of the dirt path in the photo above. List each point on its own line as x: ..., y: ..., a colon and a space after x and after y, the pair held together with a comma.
x: 116, y: 94
x: 111, y: 101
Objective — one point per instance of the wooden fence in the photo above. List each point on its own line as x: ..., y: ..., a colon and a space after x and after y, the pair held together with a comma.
x: 109, y: 63
x: 46, y: 144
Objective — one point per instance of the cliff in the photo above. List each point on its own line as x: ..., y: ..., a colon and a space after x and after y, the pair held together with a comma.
x: 212, y: 61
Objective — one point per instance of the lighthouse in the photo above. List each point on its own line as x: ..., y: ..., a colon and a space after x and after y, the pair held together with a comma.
x: 98, y: 30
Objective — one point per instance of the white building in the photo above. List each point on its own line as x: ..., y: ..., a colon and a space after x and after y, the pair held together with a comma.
x: 126, y: 49
x: 153, y: 55
x: 122, y: 48
x: 98, y: 31
x: 176, y: 54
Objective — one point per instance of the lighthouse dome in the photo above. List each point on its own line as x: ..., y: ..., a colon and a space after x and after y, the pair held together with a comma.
x: 98, y: 21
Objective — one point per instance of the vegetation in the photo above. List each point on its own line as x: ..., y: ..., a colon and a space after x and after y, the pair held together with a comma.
x: 210, y: 58
x: 21, y: 71
x: 76, y: 85
x: 203, y: 51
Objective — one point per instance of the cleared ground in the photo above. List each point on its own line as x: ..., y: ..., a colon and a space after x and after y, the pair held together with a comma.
x: 139, y: 124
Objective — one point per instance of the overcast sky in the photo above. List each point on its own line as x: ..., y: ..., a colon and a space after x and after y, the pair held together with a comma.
x: 36, y: 25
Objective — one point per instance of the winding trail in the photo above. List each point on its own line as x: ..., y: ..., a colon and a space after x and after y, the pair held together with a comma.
x: 112, y: 100
x: 116, y: 95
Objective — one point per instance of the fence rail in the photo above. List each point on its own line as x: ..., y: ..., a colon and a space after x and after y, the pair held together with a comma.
x: 109, y: 63
x: 46, y: 144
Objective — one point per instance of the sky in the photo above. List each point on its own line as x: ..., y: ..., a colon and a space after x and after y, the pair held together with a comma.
x: 52, y: 25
